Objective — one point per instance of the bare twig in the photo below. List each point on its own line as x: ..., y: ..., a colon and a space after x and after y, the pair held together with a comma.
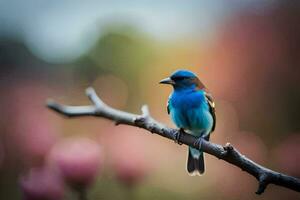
x: 227, y: 153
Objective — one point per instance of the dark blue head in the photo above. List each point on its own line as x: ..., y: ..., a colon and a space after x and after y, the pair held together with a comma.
x: 183, y: 79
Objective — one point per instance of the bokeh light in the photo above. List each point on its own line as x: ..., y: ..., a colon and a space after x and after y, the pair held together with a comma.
x: 42, y: 183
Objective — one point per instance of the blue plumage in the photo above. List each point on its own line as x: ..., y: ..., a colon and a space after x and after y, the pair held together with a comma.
x: 192, y: 109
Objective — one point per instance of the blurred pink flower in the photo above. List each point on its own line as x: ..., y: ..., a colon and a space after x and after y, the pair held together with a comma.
x: 42, y: 183
x: 129, y: 168
x: 78, y: 159
x: 30, y: 128
x: 129, y: 155
x: 287, y: 155
x: 36, y: 137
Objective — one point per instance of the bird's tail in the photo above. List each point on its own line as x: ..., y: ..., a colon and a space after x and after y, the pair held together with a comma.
x: 195, y: 162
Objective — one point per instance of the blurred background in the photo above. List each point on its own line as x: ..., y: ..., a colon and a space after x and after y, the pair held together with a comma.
x: 246, y: 52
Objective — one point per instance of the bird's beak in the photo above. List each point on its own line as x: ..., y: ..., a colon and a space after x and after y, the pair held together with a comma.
x: 167, y: 81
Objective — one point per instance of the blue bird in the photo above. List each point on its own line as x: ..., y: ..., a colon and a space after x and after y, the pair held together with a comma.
x: 192, y: 109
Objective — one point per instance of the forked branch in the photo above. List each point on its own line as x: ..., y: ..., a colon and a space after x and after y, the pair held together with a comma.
x: 227, y: 153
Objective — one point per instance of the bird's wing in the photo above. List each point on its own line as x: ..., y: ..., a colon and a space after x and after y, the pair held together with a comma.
x: 168, y: 106
x: 212, y: 110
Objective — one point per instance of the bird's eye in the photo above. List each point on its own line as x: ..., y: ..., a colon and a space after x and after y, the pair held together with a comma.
x: 179, y: 78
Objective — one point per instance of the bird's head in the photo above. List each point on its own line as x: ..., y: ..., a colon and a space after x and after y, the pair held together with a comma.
x: 183, y: 79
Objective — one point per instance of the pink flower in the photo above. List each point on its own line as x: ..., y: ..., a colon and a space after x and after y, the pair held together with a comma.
x: 129, y: 170
x: 78, y: 159
x: 32, y: 133
x: 42, y: 183
x: 127, y: 148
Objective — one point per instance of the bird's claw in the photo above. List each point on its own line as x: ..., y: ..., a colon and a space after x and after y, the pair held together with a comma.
x: 198, y: 142
x: 177, y: 136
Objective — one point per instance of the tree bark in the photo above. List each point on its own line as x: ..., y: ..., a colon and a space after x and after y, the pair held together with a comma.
x: 227, y: 153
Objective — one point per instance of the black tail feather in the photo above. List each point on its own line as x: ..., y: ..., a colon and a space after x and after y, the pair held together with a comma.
x: 195, y: 165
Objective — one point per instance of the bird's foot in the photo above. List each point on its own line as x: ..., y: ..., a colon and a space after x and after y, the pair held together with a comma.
x: 198, y: 142
x: 177, y: 136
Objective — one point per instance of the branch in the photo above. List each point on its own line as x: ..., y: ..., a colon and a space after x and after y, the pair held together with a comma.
x: 227, y: 153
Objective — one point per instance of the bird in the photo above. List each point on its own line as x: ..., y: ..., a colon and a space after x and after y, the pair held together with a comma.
x: 192, y: 109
